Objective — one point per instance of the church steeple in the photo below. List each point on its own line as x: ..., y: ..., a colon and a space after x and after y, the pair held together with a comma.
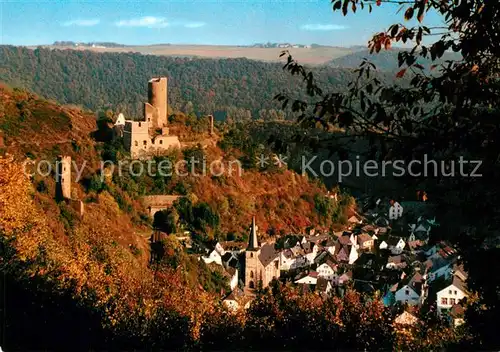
x: 252, y: 238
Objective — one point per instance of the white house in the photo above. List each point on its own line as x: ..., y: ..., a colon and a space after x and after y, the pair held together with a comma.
x: 395, y: 211
x: 310, y: 279
x: 454, y: 290
x: 327, y: 270
x: 215, y: 255
x: 383, y: 245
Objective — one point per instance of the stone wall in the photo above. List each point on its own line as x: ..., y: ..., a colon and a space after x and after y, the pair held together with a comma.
x: 157, y: 203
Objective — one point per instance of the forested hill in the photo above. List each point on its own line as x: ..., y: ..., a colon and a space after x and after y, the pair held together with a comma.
x: 119, y: 80
x: 385, y: 60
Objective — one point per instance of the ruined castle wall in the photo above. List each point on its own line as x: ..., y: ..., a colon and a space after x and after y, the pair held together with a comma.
x: 151, y: 115
x: 136, y: 137
x: 63, y: 178
x: 166, y: 142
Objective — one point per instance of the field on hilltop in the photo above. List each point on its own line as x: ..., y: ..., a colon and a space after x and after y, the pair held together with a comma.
x: 312, y: 56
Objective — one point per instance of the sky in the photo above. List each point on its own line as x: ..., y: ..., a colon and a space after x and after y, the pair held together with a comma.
x: 212, y: 22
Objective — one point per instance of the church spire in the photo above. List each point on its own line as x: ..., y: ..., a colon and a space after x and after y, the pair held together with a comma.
x: 252, y: 241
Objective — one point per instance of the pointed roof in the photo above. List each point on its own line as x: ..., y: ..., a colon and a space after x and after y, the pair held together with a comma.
x: 253, y: 244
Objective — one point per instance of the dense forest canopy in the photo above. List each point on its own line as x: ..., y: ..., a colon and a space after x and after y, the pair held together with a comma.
x: 243, y: 88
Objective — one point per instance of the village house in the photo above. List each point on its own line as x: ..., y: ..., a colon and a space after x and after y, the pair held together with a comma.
x: 323, y: 286
x: 236, y: 300
x: 449, y: 293
x: 215, y: 254
x: 395, y: 210
x: 365, y: 241
x: 420, y: 231
x: 394, y: 244
x: 344, y: 278
x: 327, y: 270
x: 411, y: 290
x: 310, y: 279
x: 396, y: 262
x: 438, y: 267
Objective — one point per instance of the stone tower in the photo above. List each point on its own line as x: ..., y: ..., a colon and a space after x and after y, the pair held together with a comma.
x: 211, y: 121
x: 252, y: 267
x: 156, y: 110
x: 63, y: 177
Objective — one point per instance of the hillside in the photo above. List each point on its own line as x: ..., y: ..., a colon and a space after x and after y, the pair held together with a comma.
x: 243, y: 88
x: 89, y: 280
x: 98, y: 264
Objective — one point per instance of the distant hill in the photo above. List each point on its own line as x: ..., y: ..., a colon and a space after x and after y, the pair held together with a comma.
x: 385, y: 60
x: 269, y: 52
x: 89, y: 45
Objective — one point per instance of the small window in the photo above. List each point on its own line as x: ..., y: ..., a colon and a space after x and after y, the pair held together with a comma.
x: 139, y: 124
x: 449, y: 292
x: 407, y: 292
x: 136, y: 143
x: 152, y: 141
x: 149, y: 119
x: 455, y: 292
x: 251, y: 285
x: 161, y: 141
x: 444, y: 300
x: 251, y: 274
x: 144, y: 142
x: 251, y: 255
x: 452, y: 301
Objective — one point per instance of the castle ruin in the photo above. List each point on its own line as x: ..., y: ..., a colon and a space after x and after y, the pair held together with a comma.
x: 63, y: 184
x: 151, y: 135
x: 63, y: 178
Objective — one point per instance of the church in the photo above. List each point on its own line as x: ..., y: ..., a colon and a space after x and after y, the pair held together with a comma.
x: 262, y: 263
